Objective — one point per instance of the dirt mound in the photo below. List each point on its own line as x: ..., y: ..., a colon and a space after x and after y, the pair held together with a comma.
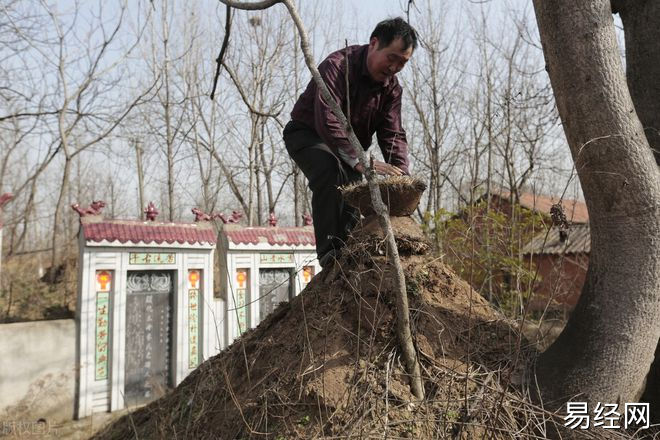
x: 326, y: 365
x: 368, y: 236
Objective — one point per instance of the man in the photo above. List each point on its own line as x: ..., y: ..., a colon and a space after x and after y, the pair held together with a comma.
x: 317, y: 141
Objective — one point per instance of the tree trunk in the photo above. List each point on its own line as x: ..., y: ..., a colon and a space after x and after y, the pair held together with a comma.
x: 27, y: 213
x: 641, y: 25
x: 167, y: 104
x: 252, y: 169
x: 606, y: 349
x: 56, y: 217
x: 140, y: 175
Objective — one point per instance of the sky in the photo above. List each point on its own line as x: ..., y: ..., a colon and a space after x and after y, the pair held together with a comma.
x: 359, y: 17
x: 370, y: 12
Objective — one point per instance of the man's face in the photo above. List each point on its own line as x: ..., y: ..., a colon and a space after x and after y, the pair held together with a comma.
x: 387, y: 61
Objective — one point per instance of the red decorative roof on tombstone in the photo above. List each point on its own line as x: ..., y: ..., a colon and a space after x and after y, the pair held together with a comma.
x: 289, y: 236
x: 97, y: 229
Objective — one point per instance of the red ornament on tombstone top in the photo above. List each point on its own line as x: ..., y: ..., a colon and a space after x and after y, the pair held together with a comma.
x: 151, y: 212
x: 272, y: 220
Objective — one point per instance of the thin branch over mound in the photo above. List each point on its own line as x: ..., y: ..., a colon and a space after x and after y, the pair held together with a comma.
x: 403, y: 321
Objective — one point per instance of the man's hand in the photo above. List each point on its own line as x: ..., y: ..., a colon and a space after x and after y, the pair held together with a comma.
x: 382, y: 168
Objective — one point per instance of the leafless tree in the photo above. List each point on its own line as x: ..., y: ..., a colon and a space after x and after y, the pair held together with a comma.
x: 76, y: 110
x: 606, y: 349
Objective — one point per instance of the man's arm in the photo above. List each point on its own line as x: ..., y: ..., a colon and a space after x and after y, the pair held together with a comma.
x: 326, y: 123
x: 391, y: 135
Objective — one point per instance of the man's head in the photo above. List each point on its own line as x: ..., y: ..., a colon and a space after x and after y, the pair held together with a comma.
x: 390, y: 47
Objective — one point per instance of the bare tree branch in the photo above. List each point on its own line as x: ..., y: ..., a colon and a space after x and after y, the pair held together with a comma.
x: 247, y: 6
x: 271, y: 114
x: 223, y: 49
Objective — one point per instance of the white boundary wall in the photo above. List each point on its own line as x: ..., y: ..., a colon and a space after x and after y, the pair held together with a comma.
x: 37, y: 370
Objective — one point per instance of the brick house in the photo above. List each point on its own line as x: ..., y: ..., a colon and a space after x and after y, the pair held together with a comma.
x: 560, y: 259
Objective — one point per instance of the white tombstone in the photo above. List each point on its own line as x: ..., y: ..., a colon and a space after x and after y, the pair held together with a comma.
x: 259, y: 268
x: 146, y: 315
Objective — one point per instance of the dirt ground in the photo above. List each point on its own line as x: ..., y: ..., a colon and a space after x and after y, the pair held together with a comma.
x: 72, y: 430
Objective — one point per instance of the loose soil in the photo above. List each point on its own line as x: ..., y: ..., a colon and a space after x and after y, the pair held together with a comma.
x: 325, y: 365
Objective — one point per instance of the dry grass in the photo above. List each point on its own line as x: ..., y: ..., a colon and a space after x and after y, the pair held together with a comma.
x: 401, y: 194
x: 395, y: 182
x: 26, y: 294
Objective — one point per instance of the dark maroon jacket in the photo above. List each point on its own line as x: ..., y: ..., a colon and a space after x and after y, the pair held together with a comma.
x: 375, y: 108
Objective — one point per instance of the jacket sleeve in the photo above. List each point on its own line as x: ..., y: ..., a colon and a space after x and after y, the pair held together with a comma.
x: 390, y: 133
x: 328, y: 127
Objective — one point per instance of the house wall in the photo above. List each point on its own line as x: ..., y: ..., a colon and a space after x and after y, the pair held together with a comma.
x: 37, y: 370
x: 560, y: 280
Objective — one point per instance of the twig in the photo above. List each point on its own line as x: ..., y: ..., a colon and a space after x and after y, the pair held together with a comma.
x: 223, y: 49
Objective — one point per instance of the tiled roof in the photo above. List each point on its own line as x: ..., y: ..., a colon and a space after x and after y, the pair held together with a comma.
x: 576, y: 211
x: 136, y: 231
x: 578, y: 241
x: 272, y: 235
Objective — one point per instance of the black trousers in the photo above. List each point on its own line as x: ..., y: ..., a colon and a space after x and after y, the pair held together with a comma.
x: 333, y: 219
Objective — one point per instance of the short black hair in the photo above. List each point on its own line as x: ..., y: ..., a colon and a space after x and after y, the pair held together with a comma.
x: 388, y: 30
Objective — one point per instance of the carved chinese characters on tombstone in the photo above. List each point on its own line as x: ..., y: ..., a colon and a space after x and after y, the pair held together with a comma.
x: 194, y: 286
x: 272, y: 258
x: 275, y: 287
x: 151, y: 258
x: 242, y: 295
x: 103, y: 285
x: 148, y: 335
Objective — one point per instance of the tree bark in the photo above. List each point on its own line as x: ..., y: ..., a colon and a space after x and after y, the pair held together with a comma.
x: 57, y: 216
x: 606, y: 349
x: 641, y: 26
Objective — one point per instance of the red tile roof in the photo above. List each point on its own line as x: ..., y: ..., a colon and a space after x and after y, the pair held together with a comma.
x: 576, y: 211
x: 136, y: 231
x: 272, y: 235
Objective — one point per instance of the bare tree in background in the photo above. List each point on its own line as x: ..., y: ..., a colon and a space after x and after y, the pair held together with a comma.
x: 258, y: 77
x: 78, y: 110
x: 432, y: 92
x: 164, y: 116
